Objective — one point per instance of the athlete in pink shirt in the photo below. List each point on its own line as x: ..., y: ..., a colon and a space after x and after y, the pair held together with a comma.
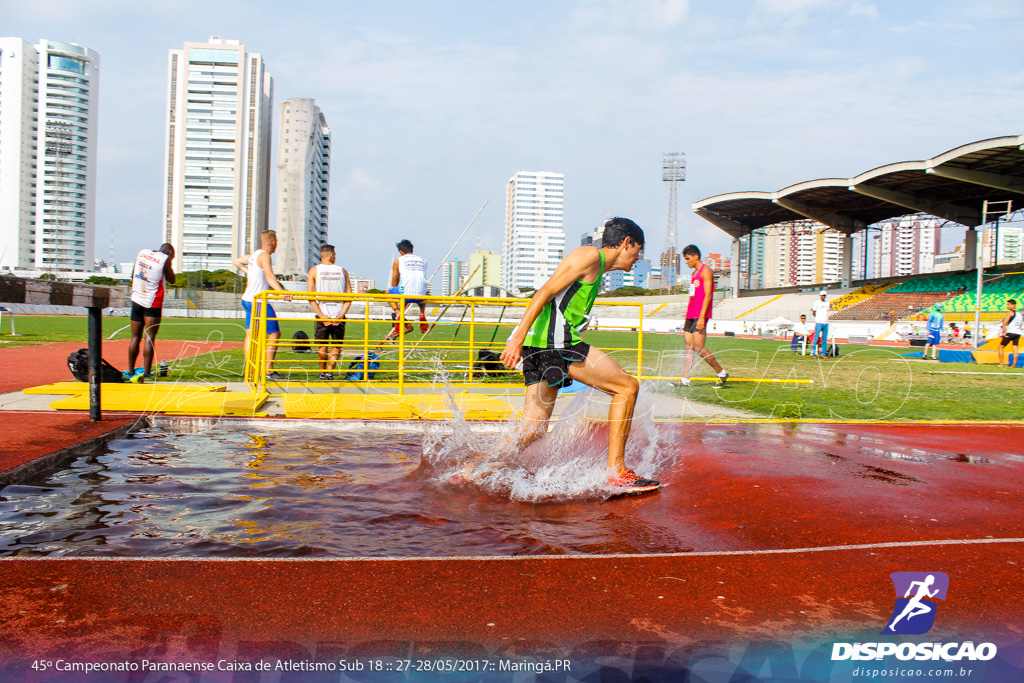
x: 698, y: 312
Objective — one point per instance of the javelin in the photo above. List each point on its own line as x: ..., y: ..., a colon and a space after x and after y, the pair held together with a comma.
x: 457, y: 241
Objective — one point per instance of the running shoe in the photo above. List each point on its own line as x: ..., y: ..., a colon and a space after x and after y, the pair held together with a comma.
x: 126, y: 376
x: 326, y: 376
x: 632, y: 481
x: 276, y: 376
x: 424, y: 327
x: 137, y: 376
x: 721, y: 381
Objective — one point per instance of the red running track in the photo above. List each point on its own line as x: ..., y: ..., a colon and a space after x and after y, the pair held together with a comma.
x: 795, y: 529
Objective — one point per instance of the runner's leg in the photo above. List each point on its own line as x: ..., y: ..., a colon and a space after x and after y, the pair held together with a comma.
x: 133, y: 346
x: 149, y: 350
x: 603, y: 373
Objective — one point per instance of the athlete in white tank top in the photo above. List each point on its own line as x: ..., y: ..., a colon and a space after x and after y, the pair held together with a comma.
x: 1011, y: 332
x: 409, y: 277
x: 260, y: 277
x: 329, y: 328
x: 412, y: 271
x: 256, y: 279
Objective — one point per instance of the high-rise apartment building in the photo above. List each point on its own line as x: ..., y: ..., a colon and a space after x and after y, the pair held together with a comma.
x: 1009, y: 239
x: 534, y: 239
x: 48, y: 115
x: 905, y: 246
x: 217, y: 153
x: 485, y: 269
x: 796, y: 253
x: 303, y: 178
x: 453, y: 276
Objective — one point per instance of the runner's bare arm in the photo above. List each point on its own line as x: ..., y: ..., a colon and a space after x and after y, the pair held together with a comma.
x: 582, y: 263
x: 395, y: 276
x: 169, y: 271
x: 242, y: 263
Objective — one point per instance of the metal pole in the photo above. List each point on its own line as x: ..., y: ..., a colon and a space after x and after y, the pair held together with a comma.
x: 95, y: 361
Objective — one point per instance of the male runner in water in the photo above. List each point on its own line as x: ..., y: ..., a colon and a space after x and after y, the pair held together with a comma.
x: 152, y: 269
x: 548, y: 341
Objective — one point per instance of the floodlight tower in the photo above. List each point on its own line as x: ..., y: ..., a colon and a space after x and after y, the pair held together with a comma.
x: 673, y: 172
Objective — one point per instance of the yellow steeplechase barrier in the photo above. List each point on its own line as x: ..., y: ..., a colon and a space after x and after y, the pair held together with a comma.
x: 453, y: 352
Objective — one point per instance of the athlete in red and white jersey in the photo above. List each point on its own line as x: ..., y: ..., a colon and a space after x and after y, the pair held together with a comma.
x: 327, y: 276
x: 152, y: 270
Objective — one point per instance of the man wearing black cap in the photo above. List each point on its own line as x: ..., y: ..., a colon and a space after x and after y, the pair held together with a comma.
x: 409, y: 277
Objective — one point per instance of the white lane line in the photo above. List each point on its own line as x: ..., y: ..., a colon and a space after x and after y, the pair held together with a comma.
x: 715, y: 553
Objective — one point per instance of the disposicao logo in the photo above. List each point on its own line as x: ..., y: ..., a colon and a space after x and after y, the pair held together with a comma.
x: 915, y: 614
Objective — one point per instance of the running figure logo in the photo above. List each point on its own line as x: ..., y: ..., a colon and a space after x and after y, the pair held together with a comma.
x: 916, y: 615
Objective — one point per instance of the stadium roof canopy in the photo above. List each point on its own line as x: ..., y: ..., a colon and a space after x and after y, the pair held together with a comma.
x: 953, y: 186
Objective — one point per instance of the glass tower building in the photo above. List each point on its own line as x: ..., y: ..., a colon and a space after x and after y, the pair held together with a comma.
x: 48, y: 115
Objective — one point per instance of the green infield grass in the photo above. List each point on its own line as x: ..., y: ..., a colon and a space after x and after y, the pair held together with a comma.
x: 863, y: 383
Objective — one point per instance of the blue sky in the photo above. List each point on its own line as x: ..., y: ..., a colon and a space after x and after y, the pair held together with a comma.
x: 434, y: 105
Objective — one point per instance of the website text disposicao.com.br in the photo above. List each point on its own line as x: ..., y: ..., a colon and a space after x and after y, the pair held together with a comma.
x: 956, y: 672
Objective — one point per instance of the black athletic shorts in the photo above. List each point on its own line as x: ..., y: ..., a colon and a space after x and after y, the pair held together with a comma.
x: 1009, y: 338
x: 323, y: 332
x: 552, y: 365
x: 691, y: 325
x: 139, y: 313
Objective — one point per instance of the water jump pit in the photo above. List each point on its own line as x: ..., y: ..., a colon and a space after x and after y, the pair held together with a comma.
x: 311, y: 541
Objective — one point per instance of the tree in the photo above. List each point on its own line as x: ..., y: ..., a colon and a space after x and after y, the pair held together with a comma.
x: 102, y: 280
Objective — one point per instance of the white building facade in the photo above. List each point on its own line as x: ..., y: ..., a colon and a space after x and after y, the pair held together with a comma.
x: 453, y: 276
x: 303, y: 182
x: 217, y: 158
x: 534, y: 239
x: 49, y: 96
x: 905, y: 246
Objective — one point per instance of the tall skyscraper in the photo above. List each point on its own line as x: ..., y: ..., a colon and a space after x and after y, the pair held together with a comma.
x: 303, y: 179
x: 48, y: 114
x: 534, y: 239
x: 217, y: 153
x: 906, y: 246
x: 453, y: 276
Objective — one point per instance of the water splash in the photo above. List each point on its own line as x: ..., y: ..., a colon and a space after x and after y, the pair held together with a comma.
x: 567, y: 463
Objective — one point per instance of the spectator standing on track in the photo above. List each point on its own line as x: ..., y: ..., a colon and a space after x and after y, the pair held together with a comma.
x: 800, y: 334
x: 152, y: 269
x: 259, y: 273
x: 408, y: 276
x: 698, y: 312
x: 1010, y: 331
x: 820, y: 310
x: 934, y: 325
x: 327, y: 276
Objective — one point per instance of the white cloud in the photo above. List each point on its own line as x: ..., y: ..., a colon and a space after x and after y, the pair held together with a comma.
x: 867, y: 10
x: 628, y: 14
x: 361, y: 187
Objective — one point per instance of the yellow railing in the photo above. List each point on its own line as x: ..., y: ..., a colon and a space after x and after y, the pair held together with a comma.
x: 448, y: 353
x: 775, y: 298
